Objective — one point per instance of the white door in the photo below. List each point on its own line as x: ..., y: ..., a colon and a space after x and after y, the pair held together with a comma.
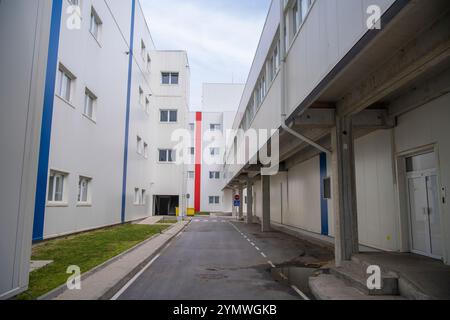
x: 425, y: 222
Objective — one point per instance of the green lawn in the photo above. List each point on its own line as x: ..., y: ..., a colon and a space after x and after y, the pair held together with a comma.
x: 86, y: 250
x: 203, y: 214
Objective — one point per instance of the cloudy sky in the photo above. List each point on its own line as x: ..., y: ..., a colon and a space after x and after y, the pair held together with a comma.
x: 220, y: 36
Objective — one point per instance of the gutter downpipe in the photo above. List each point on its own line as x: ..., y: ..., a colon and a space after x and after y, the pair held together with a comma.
x: 284, y: 91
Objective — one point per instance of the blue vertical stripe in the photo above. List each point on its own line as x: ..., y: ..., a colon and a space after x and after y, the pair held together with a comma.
x: 127, y: 118
x: 47, y: 119
x: 323, y: 201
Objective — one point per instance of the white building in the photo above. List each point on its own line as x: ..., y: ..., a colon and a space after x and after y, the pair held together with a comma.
x: 116, y: 101
x: 205, y: 178
x: 24, y: 53
x: 363, y: 114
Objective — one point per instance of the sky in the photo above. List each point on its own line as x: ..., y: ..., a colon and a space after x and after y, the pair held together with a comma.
x: 220, y: 36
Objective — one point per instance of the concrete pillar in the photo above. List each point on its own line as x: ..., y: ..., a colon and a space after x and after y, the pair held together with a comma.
x: 344, y: 190
x: 241, y: 206
x: 249, y: 201
x: 265, y: 223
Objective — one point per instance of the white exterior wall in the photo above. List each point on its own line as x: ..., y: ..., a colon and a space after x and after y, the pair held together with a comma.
x: 80, y: 146
x: 330, y: 30
x: 23, y: 63
x: 428, y: 126
x: 376, y: 191
x: 167, y: 178
x: 95, y: 149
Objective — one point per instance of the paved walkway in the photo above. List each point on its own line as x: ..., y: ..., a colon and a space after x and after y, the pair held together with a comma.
x: 220, y: 259
x: 103, y: 282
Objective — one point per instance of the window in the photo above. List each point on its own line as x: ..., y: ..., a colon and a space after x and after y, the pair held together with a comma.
x: 89, y: 104
x: 167, y: 155
x: 143, y: 197
x: 214, y: 175
x: 143, y: 49
x: 149, y: 63
x: 327, y: 188
x: 169, y: 116
x: 141, y: 96
x: 137, y: 196
x: 56, y: 186
x: 214, y: 200
x: 84, y: 186
x: 191, y: 175
x: 215, y: 127
x: 74, y: 2
x: 147, y: 105
x: 214, y: 151
x: 65, y: 80
x: 192, y: 126
x: 95, y: 24
x: 145, y: 150
x: 139, y: 145
x: 192, y: 151
x: 170, y: 78
x: 295, y: 18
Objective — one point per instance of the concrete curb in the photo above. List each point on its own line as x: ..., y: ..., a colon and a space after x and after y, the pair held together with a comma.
x: 59, y: 290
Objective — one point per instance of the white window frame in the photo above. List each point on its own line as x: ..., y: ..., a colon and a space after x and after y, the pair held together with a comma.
x: 137, y: 196
x: 139, y: 145
x: 214, y: 127
x: 191, y: 175
x: 171, y: 77
x: 212, y: 151
x: 169, y: 154
x: 145, y: 150
x: 143, y: 197
x: 214, y: 200
x: 214, y: 175
x: 91, y: 98
x: 95, y: 24
x: 65, y: 83
x: 169, y: 115
x: 143, y: 50
x: 87, y: 192
x: 52, y: 188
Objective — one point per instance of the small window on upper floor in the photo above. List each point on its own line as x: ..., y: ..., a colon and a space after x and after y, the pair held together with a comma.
x: 145, y: 150
x: 192, y: 151
x: 168, y: 116
x: 65, y: 83
x: 192, y: 126
x: 147, y: 105
x: 171, y: 78
x: 143, y: 50
x: 90, y: 104
x: 139, y: 145
x: 214, y: 151
x: 191, y: 175
x: 214, y: 175
x: 95, y: 24
x: 167, y: 155
x: 215, y: 127
x: 141, y: 96
x: 149, y: 63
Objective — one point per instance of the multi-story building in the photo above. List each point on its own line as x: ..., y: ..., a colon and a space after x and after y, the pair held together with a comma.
x: 205, y: 174
x: 359, y: 92
x: 116, y: 101
x: 104, y: 109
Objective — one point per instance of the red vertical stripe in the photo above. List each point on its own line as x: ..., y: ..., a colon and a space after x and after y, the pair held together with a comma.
x: 198, y: 162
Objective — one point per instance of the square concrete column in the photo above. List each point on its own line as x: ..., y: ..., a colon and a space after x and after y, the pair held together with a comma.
x: 241, y: 204
x: 249, y: 201
x: 265, y: 222
x: 344, y: 190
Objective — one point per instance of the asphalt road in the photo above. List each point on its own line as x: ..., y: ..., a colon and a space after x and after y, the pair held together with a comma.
x: 210, y: 260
